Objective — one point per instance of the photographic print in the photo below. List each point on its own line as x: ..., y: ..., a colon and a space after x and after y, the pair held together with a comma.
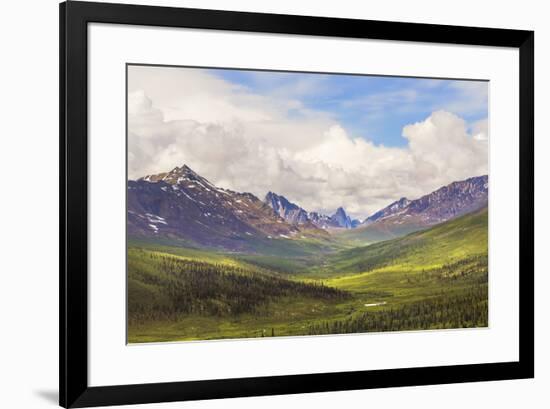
x: 268, y: 203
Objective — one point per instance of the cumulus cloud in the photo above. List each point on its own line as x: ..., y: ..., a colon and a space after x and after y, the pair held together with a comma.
x: 480, y: 130
x: 244, y: 141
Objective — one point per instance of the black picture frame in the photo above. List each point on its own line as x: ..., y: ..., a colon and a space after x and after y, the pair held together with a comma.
x: 73, y: 257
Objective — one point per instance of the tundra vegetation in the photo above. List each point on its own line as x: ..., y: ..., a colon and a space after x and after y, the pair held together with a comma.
x: 430, y: 279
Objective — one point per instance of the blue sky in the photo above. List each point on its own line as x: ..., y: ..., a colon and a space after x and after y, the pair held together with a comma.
x: 372, y: 107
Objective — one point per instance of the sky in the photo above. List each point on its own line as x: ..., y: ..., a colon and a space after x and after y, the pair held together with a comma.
x: 321, y: 140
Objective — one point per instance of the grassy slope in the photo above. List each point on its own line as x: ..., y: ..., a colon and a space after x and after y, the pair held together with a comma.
x: 191, y: 294
x: 445, y: 243
x: 301, y: 247
x: 448, y: 259
x: 374, y: 233
x: 286, y: 256
x: 445, y: 267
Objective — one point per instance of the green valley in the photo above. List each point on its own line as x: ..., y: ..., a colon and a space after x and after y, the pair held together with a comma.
x: 429, y: 279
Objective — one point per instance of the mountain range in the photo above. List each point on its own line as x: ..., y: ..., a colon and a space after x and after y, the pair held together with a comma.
x: 405, y: 216
x: 294, y: 214
x: 441, y: 205
x: 182, y: 205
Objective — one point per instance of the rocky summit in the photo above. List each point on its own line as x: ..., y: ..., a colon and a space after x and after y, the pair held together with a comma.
x: 286, y: 209
x: 342, y: 219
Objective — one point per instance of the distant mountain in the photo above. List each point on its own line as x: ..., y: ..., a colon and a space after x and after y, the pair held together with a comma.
x: 405, y: 216
x: 342, y: 219
x: 451, y: 201
x: 182, y: 205
x: 294, y: 214
x: 285, y: 209
x: 389, y: 210
x: 321, y: 220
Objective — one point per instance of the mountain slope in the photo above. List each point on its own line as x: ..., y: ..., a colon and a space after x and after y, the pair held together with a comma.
x: 182, y: 205
x: 389, y: 210
x: 405, y: 216
x: 285, y: 209
x: 446, y: 243
x: 206, y: 286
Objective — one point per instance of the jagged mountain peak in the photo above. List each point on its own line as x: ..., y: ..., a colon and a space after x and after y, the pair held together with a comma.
x: 289, y: 211
x: 402, y: 202
x: 342, y: 218
x: 341, y: 211
x: 294, y: 214
x: 183, y: 170
x: 276, y: 199
x: 182, y: 176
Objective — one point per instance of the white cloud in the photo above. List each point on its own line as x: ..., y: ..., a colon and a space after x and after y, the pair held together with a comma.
x: 256, y: 143
x: 480, y: 130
